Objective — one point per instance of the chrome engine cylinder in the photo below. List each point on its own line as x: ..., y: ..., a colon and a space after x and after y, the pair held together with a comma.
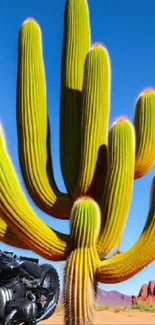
x: 9, y: 292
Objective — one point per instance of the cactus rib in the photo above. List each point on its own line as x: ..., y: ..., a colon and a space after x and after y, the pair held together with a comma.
x: 8, y: 237
x: 117, y: 196
x: 144, y: 122
x: 75, y: 47
x: 95, y: 107
x: 79, y: 281
x: 79, y: 287
x: 98, y: 167
x: 21, y: 218
x: 33, y: 126
x: 123, y: 266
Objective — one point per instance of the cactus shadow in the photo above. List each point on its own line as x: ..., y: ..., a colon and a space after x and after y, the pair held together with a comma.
x: 49, y: 164
x: 98, y: 182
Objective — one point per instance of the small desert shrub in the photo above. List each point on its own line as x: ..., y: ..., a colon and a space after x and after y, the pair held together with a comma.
x: 115, y: 309
x: 100, y: 307
x: 142, y: 306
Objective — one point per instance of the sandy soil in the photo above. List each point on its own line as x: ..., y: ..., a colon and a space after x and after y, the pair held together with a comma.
x: 109, y: 317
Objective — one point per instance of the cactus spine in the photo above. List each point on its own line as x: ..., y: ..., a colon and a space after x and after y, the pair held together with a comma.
x: 85, y: 101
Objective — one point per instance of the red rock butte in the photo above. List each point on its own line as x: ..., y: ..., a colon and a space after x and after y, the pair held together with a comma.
x: 146, y: 293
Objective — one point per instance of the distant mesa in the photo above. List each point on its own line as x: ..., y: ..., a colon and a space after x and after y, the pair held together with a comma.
x: 116, y: 298
x: 111, y: 298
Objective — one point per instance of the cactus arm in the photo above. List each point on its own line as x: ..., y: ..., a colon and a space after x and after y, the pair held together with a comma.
x: 20, y: 217
x: 123, y: 266
x: 95, y: 117
x: 76, y: 44
x: 144, y: 122
x: 8, y: 237
x: 117, y: 195
x: 33, y: 126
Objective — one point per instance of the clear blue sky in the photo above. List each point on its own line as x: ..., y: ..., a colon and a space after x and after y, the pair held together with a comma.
x: 126, y: 28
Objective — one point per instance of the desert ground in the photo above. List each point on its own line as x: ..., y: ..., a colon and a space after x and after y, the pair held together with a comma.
x: 110, y: 317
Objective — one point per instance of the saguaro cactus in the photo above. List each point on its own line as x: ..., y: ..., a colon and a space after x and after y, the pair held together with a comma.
x: 98, y: 165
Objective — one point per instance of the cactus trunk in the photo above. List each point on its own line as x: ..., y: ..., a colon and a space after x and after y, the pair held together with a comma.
x: 80, y: 268
x: 80, y: 287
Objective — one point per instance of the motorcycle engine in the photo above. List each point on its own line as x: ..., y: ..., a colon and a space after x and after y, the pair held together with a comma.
x: 10, y: 291
x: 25, y: 308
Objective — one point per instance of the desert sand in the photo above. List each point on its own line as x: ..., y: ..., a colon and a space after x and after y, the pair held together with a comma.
x: 110, y: 317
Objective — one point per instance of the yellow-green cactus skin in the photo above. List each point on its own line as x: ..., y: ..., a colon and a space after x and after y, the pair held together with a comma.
x: 33, y: 127
x: 117, y: 194
x: 123, y: 266
x: 144, y: 122
x: 21, y: 218
x: 96, y: 108
x: 7, y: 236
x: 99, y: 165
x: 80, y: 268
x: 76, y: 44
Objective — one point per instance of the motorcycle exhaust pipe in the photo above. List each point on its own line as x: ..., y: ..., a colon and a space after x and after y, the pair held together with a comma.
x: 10, y: 318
